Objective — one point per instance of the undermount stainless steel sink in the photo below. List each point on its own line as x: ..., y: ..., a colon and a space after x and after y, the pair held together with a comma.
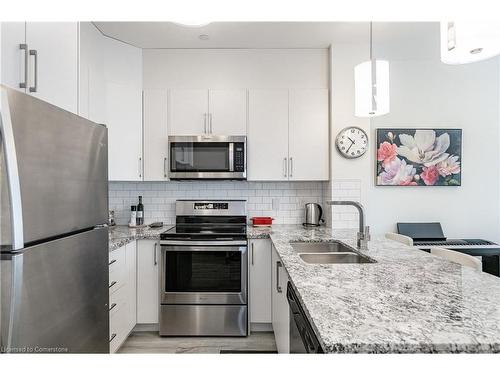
x: 332, y: 258
x: 321, y: 247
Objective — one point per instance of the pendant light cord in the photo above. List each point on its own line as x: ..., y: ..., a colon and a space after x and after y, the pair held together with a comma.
x: 371, y: 40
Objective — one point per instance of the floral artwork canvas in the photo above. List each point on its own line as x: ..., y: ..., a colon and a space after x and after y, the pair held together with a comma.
x: 419, y: 157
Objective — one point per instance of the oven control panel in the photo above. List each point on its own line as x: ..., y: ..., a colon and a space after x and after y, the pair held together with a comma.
x: 211, y: 206
x: 239, y: 157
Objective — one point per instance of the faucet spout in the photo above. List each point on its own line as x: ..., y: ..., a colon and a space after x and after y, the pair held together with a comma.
x: 363, y: 231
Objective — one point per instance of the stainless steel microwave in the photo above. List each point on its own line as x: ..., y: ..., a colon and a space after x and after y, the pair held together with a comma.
x: 210, y: 157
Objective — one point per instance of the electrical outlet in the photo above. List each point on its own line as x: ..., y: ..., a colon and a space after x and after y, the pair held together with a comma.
x: 276, y: 204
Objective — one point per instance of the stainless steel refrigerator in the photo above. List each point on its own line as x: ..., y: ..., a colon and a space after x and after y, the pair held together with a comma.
x: 54, y: 242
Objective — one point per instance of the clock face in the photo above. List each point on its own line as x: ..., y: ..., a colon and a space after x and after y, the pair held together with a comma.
x: 352, y: 142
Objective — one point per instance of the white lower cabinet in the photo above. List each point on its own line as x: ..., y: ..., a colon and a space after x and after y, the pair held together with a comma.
x: 280, y: 310
x: 148, y: 258
x: 122, y: 292
x: 260, y: 281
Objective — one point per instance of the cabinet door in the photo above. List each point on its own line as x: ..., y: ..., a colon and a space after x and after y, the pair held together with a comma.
x: 12, y: 57
x: 267, y: 135
x: 260, y: 281
x: 280, y: 309
x: 155, y: 135
x: 308, y: 135
x: 188, y: 112
x: 53, y: 71
x: 124, y: 122
x: 228, y: 112
x: 131, y: 261
x: 148, y: 255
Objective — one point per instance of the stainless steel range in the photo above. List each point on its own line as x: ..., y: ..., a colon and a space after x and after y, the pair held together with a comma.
x: 204, y: 264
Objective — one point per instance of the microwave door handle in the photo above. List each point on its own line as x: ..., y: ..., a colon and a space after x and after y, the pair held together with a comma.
x: 231, y: 157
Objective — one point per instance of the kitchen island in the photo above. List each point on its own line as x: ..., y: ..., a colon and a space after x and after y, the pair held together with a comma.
x: 407, y: 302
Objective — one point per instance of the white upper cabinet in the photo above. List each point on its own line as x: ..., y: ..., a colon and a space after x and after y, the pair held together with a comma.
x: 12, y: 56
x: 53, y: 62
x: 123, y: 119
x: 227, y: 112
x: 51, y: 53
x: 187, y: 112
x: 155, y: 135
x: 267, y: 135
x: 288, y: 136
x: 308, y: 135
x: 111, y: 94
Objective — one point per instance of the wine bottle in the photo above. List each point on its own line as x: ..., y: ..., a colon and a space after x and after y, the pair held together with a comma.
x: 140, y: 212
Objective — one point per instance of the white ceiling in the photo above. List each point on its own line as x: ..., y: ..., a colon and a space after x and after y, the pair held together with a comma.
x: 408, y: 35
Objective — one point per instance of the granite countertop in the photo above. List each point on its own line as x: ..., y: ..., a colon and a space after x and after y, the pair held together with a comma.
x: 121, y: 235
x: 408, y: 302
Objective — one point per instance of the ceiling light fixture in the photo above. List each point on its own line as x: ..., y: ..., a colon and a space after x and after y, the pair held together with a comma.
x: 203, y: 37
x: 464, y: 42
x: 371, y: 85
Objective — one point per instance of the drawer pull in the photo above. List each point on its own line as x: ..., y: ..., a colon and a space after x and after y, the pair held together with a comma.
x: 113, y: 261
x: 112, y: 284
x: 112, y: 337
x: 112, y: 306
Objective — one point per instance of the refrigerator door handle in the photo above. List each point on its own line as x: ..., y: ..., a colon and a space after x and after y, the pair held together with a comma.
x: 9, y: 146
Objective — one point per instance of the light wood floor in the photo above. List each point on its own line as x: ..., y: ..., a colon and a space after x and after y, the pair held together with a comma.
x: 150, y: 342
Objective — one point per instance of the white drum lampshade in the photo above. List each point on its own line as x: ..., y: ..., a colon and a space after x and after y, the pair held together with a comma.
x: 371, y: 84
x: 464, y: 42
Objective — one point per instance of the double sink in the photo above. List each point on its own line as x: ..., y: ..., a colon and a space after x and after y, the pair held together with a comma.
x: 328, y: 253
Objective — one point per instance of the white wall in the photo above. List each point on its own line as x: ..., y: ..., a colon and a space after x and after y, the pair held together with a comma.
x: 235, y: 68
x: 427, y: 93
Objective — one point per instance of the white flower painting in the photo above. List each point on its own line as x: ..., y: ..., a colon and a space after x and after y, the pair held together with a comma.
x: 419, y: 157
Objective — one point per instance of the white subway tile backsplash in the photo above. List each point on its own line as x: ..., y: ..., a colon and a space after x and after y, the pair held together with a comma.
x: 284, y: 201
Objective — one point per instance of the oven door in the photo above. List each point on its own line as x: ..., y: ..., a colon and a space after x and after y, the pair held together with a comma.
x: 204, y: 273
x: 204, y: 157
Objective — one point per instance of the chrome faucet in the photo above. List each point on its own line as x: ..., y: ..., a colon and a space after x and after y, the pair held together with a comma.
x: 364, y: 231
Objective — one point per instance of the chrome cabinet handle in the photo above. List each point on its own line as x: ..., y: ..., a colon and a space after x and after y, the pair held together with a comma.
x: 278, y: 266
x: 165, y: 167
x: 112, y: 337
x: 210, y: 123
x: 112, y: 284
x: 113, y: 261
x: 140, y: 167
x: 24, y: 47
x: 205, y: 115
x: 155, y: 260
x: 112, y: 306
x: 285, y: 166
x: 291, y: 166
x: 252, y: 254
x: 34, y: 88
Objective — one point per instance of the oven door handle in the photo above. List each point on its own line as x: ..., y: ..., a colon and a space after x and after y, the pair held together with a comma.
x: 173, y: 248
x: 189, y: 244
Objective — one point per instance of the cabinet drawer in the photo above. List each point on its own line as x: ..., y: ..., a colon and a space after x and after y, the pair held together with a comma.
x: 117, y: 270
x: 118, y: 326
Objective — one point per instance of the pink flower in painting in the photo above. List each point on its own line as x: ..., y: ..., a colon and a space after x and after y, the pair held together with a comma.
x: 397, y: 172
x: 430, y: 175
x: 386, y: 153
x: 449, y: 166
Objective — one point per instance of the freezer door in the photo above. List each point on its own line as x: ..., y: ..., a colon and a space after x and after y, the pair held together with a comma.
x: 58, y: 162
x: 55, y: 295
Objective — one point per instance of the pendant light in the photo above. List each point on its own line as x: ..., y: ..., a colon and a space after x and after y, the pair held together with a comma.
x: 371, y: 85
x: 464, y: 42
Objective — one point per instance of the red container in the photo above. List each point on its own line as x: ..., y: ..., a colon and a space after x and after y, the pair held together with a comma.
x: 260, y: 221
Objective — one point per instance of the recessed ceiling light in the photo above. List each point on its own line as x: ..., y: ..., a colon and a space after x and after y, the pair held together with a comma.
x: 204, y: 37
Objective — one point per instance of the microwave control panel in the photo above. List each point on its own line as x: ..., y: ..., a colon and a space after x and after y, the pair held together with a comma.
x: 239, y: 157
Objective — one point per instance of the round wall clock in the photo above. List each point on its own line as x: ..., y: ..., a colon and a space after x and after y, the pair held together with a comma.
x: 352, y: 142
